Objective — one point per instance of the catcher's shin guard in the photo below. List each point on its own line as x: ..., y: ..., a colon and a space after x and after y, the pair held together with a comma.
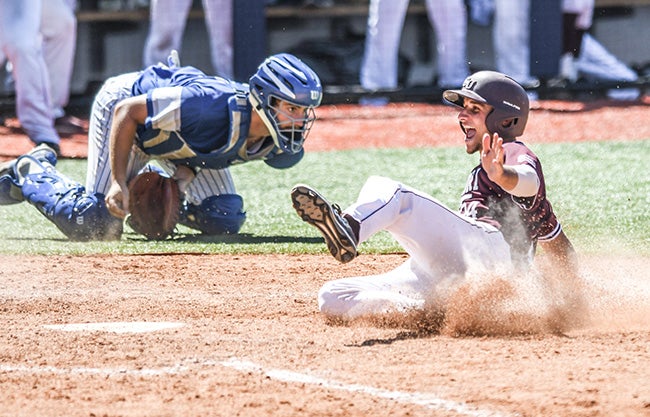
x: 216, y: 215
x: 80, y: 216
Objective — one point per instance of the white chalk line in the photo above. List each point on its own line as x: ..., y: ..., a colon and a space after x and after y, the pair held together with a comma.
x: 426, y: 400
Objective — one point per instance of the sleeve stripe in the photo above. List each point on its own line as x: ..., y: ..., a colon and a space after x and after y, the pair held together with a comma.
x: 550, y: 236
x: 166, y: 107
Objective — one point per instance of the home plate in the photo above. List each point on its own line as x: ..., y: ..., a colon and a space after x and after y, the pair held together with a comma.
x: 116, y: 327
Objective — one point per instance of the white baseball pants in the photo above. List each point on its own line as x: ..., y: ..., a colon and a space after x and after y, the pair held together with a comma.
x: 443, y: 246
x: 59, y: 30
x: 511, y: 39
x: 39, y: 38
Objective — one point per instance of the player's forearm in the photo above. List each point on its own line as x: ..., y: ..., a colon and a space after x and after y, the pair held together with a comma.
x: 506, y: 178
x: 518, y: 180
x: 123, y: 130
x: 563, y: 254
x: 120, y: 148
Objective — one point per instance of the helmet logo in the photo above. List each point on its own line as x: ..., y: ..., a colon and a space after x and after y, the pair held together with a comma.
x: 469, y: 84
x: 507, y: 103
x: 314, y: 94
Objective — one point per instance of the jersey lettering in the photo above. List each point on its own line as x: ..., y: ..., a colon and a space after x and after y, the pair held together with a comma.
x: 470, y: 209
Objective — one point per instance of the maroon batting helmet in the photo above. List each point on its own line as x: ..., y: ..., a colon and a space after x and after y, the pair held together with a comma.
x: 508, y: 99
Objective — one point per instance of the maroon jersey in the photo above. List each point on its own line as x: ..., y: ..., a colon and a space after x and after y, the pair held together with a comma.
x: 522, y: 220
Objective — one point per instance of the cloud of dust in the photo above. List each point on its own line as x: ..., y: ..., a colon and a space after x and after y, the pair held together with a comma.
x: 611, y: 294
x: 618, y: 291
x: 530, y: 303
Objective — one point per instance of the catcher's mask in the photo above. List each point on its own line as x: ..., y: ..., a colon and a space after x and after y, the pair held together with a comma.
x: 285, y: 77
x: 508, y: 99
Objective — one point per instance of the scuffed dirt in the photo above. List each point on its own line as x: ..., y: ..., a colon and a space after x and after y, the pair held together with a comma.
x: 262, y: 310
x: 252, y: 342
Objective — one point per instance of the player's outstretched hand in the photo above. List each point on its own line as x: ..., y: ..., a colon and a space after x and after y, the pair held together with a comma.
x: 117, y: 199
x: 492, y: 156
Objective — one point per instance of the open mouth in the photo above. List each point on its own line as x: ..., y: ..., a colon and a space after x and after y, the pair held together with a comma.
x: 469, y: 131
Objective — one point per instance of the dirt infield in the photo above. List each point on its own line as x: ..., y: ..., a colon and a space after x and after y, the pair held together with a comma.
x: 250, y: 343
x: 222, y: 335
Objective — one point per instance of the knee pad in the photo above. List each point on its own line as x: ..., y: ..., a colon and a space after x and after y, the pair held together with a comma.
x: 216, y: 215
x: 80, y: 216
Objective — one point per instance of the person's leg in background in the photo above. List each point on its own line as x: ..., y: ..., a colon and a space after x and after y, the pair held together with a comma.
x: 383, y: 34
x: 167, y: 19
x: 449, y: 21
x: 20, y: 38
x: 511, y: 39
x: 218, y: 19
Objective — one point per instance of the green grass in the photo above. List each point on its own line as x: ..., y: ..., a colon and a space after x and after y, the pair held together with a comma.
x: 600, y: 191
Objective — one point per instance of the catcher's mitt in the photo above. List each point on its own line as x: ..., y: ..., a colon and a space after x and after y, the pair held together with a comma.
x: 154, y: 205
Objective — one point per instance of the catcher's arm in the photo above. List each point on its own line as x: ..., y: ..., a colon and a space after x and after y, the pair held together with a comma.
x: 128, y: 114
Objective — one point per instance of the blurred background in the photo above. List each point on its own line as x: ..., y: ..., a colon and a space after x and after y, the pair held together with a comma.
x: 330, y: 35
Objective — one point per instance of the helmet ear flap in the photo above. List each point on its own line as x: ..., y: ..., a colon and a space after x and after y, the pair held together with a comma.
x: 504, y: 127
x: 492, y: 123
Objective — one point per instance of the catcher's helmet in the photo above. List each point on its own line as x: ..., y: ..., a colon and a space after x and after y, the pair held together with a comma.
x: 287, y: 78
x: 508, y: 99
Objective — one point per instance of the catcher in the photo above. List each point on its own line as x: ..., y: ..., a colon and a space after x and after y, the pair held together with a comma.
x: 195, y: 126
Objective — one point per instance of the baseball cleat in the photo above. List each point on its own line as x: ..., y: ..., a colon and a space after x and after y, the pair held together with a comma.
x: 42, y: 152
x: 317, y: 211
x: 10, y: 181
x: 45, y: 152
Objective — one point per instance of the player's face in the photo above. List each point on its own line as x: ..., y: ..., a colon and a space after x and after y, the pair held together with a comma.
x: 472, y: 122
x: 289, y: 115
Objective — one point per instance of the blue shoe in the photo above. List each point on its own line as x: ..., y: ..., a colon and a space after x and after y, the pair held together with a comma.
x: 317, y: 211
x: 10, y: 192
x: 43, y: 152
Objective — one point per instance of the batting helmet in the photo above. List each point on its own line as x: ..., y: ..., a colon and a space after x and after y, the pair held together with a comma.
x: 507, y: 98
x: 285, y: 77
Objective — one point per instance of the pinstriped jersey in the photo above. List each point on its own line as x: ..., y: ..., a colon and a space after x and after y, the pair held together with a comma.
x: 522, y: 220
x: 200, y: 121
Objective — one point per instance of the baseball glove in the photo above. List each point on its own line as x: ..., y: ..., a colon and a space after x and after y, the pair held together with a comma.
x: 154, y: 205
